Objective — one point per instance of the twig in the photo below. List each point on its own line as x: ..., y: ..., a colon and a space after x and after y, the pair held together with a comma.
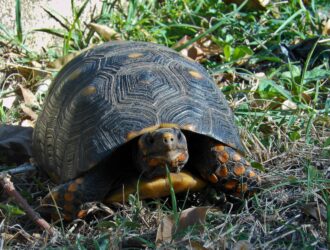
x: 26, y: 167
x: 9, y: 188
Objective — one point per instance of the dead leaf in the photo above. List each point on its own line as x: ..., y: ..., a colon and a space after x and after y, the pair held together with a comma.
x: 15, y: 144
x: 105, y: 32
x: 315, y: 210
x: 167, y: 228
x: 60, y: 62
x: 326, y: 28
x: 8, y: 102
x: 27, y: 123
x: 200, y: 49
x: 242, y: 245
x: 29, y: 98
x: 30, y: 72
x: 28, y: 111
x: 288, y: 105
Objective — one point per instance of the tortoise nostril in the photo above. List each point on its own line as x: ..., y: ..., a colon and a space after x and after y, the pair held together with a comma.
x: 168, y: 138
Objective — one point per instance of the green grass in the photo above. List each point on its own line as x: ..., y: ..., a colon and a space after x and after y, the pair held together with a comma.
x: 281, y: 106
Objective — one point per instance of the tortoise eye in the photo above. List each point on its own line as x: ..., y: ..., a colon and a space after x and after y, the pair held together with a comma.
x: 150, y: 140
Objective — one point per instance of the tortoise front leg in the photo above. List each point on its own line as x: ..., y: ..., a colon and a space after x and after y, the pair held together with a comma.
x: 224, y: 167
x: 68, y: 197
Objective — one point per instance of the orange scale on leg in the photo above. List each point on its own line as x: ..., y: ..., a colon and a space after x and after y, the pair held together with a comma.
x: 79, y: 180
x: 73, y: 187
x: 230, y: 185
x: 68, y: 207
x: 213, y: 178
x: 222, y: 171
x: 68, y: 196
x: 252, y: 174
x: 239, y: 170
x: 223, y: 157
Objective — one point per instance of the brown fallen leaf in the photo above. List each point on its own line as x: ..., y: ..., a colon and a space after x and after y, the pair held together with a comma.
x: 27, y: 123
x: 242, y: 245
x: 199, y: 50
x: 29, y: 72
x: 105, y: 32
x: 28, y: 111
x: 288, y: 105
x: 29, y: 98
x: 168, y: 230
x: 60, y: 62
x: 317, y: 211
x: 326, y: 28
x: 8, y: 101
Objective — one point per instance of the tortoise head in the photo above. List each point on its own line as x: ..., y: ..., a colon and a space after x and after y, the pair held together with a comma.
x: 161, y: 148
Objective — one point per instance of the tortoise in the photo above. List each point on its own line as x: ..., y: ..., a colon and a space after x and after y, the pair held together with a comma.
x: 123, y: 110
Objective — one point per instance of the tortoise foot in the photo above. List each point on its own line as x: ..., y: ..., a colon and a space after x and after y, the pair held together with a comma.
x: 64, y: 201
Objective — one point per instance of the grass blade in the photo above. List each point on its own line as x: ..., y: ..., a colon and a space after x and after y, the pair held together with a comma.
x: 57, y: 17
x: 54, y: 32
x: 19, y: 32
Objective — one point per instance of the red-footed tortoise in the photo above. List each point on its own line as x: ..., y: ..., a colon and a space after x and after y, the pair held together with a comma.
x: 126, y: 109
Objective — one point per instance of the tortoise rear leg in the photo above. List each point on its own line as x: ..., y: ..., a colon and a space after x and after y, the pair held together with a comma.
x: 224, y: 167
x: 68, y: 197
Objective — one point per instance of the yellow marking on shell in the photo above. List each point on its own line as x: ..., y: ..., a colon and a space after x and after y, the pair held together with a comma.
x: 79, y: 180
x: 223, y: 156
x: 168, y: 125
x: 68, y: 207
x: 230, y: 185
x: 237, y: 157
x: 89, y: 90
x: 239, y: 170
x: 73, y: 187
x: 68, y: 196
x: 222, y: 171
x: 135, y: 55
x: 133, y: 134
x: 189, y: 127
x: 213, y: 178
x: 195, y: 74
x: 75, y: 74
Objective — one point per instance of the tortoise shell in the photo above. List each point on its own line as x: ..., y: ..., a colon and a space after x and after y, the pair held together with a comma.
x: 112, y: 93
